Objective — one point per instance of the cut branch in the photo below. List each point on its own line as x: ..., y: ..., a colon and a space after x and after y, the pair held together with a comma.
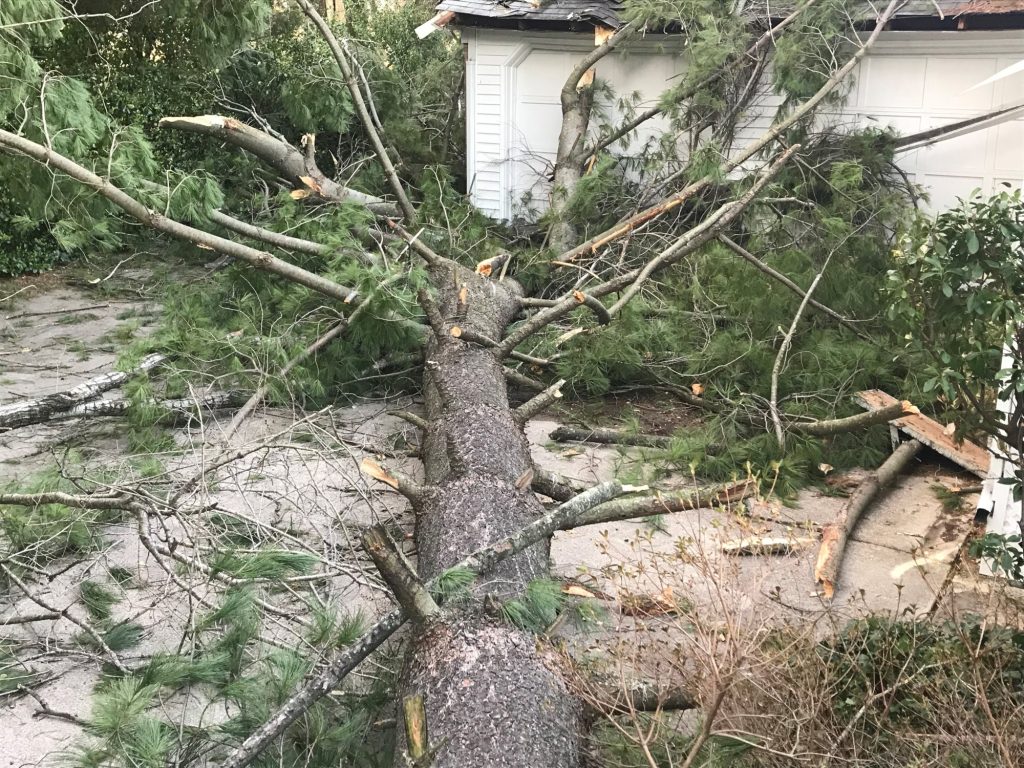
x: 660, y: 504
x: 289, y: 162
x: 556, y: 486
x: 852, y: 423
x: 535, y: 405
x: 174, y: 411
x: 402, y: 483
x: 412, y: 596
x: 17, y: 145
x: 835, y: 535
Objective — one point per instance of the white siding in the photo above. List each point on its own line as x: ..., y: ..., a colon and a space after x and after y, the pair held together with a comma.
x: 911, y: 81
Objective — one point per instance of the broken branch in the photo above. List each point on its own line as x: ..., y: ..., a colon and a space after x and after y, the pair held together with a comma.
x: 835, y: 535
x: 288, y: 161
x: 536, y: 404
x: 402, y: 483
x: 399, y: 575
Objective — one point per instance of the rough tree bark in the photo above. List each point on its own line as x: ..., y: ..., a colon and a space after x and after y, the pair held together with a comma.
x: 577, y: 98
x: 493, y: 696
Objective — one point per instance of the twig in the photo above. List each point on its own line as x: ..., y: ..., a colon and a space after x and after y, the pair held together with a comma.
x: 57, y: 311
x: 96, y: 637
x: 787, y: 341
x: 48, y: 711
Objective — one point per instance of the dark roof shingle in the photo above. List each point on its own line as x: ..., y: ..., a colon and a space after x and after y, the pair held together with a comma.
x: 605, y: 12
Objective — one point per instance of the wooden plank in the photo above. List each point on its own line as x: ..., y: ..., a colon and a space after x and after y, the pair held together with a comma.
x: 968, y: 455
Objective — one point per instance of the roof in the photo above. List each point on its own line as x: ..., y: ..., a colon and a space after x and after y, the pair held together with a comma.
x: 602, y: 12
x: 605, y: 12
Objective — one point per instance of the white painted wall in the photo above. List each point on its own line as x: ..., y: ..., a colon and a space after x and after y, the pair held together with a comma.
x: 910, y: 80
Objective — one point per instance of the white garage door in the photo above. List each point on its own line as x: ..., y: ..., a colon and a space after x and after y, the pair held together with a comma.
x: 914, y: 82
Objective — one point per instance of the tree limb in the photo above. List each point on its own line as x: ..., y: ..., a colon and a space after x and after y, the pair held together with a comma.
x: 17, y: 145
x: 298, y: 168
x: 538, y: 403
x: 416, y: 601
x: 341, y: 56
x: 33, y: 411
x: 608, y: 437
x: 835, y: 535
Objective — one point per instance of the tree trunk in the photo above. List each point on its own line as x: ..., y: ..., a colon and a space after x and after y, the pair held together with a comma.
x: 577, y: 105
x: 493, y: 696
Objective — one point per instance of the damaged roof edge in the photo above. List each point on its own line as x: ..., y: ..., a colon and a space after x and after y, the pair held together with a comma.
x: 575, y: 14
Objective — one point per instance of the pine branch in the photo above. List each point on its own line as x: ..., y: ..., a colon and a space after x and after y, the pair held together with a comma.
x: 743, y: 253
x: 769, y: 37
x: 633, y: 280
x: 673, y: 201
x: 416, y: 601
x: 278, y: 240
x: 298, y: 168
x: 17, y: 145
x: 341, y: 56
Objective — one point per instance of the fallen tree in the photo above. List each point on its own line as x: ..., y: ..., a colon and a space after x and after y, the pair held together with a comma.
x: 493, y: 695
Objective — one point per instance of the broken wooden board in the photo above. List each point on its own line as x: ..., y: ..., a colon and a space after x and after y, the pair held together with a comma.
x: 968, y: 455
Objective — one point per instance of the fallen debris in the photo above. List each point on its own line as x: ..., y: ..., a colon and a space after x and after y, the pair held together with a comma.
x: 608, y: 437
x: 968, y: 455
x: 766, y: 545
x: 834, y: 536
x: 45, y: 408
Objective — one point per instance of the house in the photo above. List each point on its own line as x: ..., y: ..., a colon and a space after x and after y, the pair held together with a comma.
x: 921, y: 74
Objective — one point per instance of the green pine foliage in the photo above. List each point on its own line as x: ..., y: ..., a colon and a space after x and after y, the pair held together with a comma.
x: 538, y: 608
x: 35, y: 536
x: 98, y: 599
x: 228, y: 666
x: 717, y: 321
